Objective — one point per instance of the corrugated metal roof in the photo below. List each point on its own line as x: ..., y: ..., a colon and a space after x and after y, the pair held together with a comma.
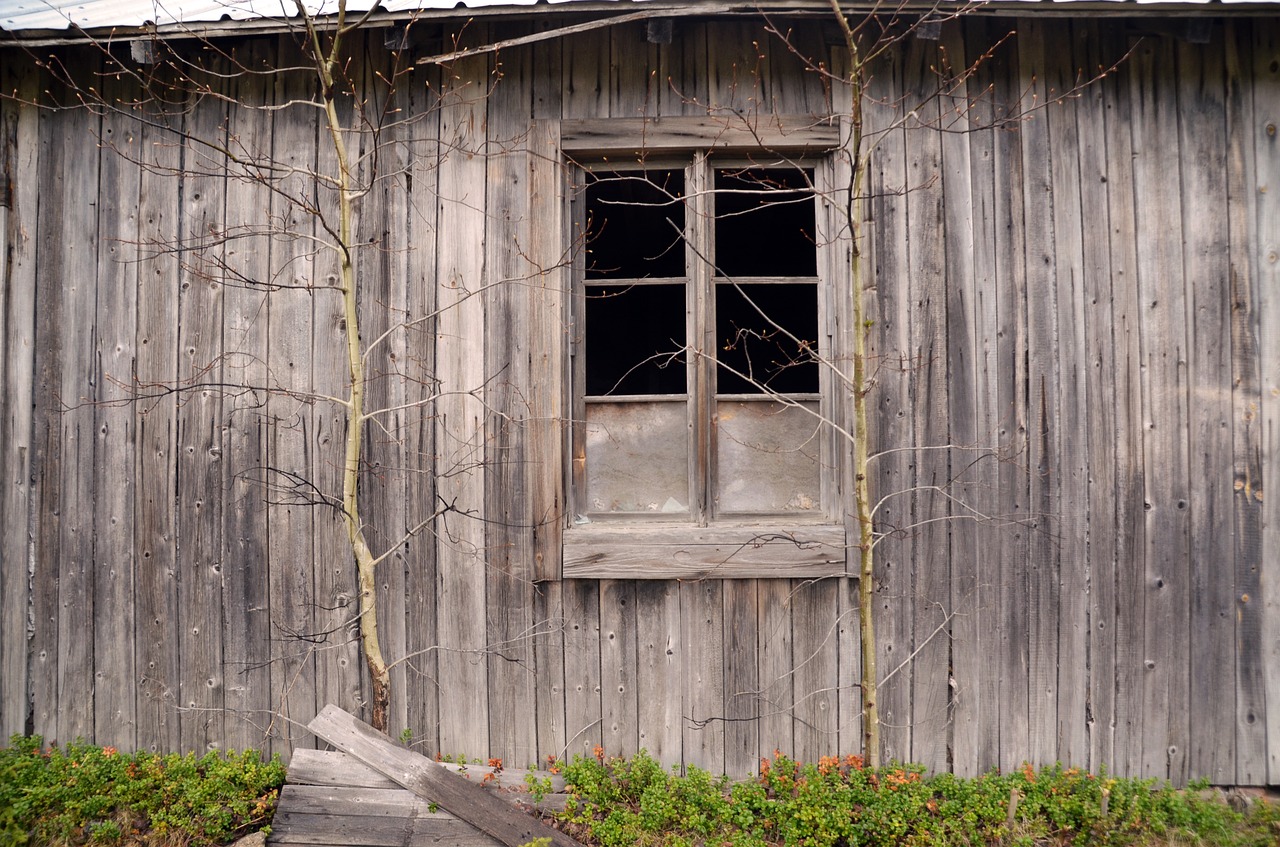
x: 26, y: 15
x: 94, y: 14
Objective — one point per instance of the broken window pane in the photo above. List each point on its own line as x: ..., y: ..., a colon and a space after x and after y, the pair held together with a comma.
x: 635, y: 339
x: 765, y: 338
x: 767, y: 457
x: 638, y: 458
x: 635, y: 225
x: 765, y: 223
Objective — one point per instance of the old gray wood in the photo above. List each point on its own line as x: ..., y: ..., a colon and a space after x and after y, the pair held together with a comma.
x: 460, y: 417
x: 115, y: 668
x: 463, y: 798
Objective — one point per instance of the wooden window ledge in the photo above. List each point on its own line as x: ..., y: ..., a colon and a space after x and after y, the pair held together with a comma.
x: 666, y: 551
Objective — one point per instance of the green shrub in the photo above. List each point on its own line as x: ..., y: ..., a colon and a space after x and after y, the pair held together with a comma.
x: 82, y: 794
x: 839, y: 803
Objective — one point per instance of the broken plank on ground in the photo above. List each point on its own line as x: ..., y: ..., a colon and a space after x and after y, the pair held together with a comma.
x: 333, y: 767
x: 427, y: 779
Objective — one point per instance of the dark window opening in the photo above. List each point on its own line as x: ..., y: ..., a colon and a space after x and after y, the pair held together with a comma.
x: 766, y: 337
x: 635, y: 339
x: 765, y: 223
x: 635, y: 225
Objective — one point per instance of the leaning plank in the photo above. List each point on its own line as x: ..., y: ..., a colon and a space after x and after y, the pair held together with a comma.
x: 423, y: 777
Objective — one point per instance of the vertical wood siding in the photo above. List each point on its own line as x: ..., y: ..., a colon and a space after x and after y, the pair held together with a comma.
x: 1075, y: 288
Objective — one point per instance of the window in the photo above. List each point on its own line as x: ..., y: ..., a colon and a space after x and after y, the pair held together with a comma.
x: 698, y: 394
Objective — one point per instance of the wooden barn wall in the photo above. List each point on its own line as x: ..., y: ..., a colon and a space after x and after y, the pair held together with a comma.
x: 1075, y: 286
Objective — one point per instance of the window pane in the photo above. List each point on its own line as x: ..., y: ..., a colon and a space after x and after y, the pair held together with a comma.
x: 635, y: 225
x: 754, y: 351
x: 635, y: 339
x: 767, y: 457
x: 765, y: 223
x: 638, y: 458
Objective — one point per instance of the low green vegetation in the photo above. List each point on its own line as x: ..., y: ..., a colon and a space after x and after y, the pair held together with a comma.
x: 82, y: 794
x: 840, y: 803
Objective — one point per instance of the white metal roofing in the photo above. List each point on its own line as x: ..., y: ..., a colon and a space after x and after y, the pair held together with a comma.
x: 19, y: 15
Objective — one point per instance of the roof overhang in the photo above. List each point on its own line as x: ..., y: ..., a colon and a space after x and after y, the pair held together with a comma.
x: 51, y: 22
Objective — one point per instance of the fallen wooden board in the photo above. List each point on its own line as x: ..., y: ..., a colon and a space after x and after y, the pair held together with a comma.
x: 425, y: 778
x: 333, y: 767
x: 375, y: 831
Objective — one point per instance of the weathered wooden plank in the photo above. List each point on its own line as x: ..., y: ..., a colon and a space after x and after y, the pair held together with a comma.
x: 419, y: 184
x: 688, y: 82
x: 246, y: 628
x: 47, y: 442
x: 963, y: 221
x: 715, y: 552
x: 76, y: 396
x: 584, y: 72
x: 460, y: 420
x: 1205, y: 250
x: 1250, y: 726
x: 545, y: 438
x: 738, y: 79
x: 776, y: 665
x: 21, y: 141
x: 373, y: 830
x: 509, y: 528
x: 291, y: 512
x: 795, y: 50
x: 676, y: 134
x: 1044, y: 454
x: 702, y: 689
x: 741, y: 677
x: 619, y: 693
x: 1130, y: 481
x: 1092, y: 55
x: 1266, y: 119
x: 200, y: 428
x: 633, y: 81
x: 849, y: 669
x: 926, y: 265
x: 1072, y: 440
x: 114, y: 623
x: 346, y: 801
x: 976, y: 408
x: 583, y: 709
x: 332, y: 767
x: 1012, y: 544
x: 1165, y: 398
x: 814, y: 645
x: 155, y: 526
x: 660, y: 657
x: 892, y: 424
x: 465, y: 799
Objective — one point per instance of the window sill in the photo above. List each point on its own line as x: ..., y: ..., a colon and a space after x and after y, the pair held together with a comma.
x: 734, y: 551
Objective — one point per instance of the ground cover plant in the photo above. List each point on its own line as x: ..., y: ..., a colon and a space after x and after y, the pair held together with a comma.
x: 840, y: 803
x: 82, y: 794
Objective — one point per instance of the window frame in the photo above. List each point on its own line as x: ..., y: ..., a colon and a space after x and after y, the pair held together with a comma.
x: 737, y: 546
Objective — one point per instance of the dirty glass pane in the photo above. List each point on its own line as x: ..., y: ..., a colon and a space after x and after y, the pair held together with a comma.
x: 635, y: 339
x: 767, y: 458
x: 635, y: 224
x: 638, y: 458
x: 757, y: 330
x: 765, y: 223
